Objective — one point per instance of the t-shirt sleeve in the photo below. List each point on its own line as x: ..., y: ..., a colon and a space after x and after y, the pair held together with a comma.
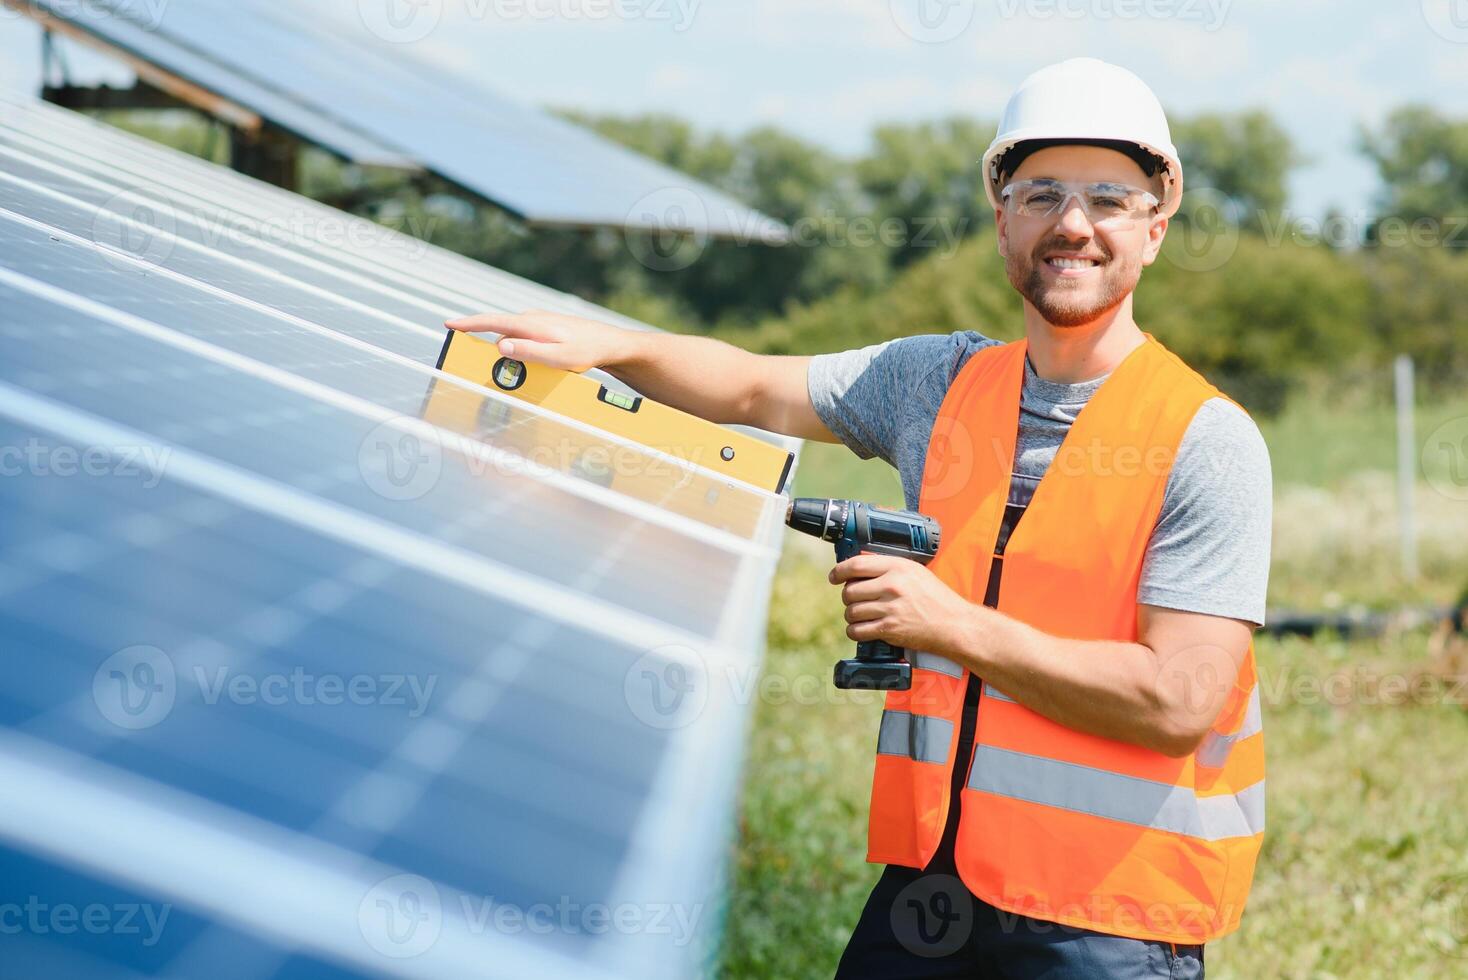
x: 1209, y: 552
x: 866, y: 396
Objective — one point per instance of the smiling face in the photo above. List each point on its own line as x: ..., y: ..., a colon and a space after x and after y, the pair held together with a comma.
x: 1070, y: 270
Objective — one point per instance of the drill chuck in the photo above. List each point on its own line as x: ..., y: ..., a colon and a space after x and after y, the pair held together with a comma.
x: 818, y: 517
x: 855, y: 528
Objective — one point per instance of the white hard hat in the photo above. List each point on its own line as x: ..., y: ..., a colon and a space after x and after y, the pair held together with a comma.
x: 1086, y: 99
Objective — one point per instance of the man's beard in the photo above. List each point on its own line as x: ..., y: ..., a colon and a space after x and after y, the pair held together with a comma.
x: 1065, y: 304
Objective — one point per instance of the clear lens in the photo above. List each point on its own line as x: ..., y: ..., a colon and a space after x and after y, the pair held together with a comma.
x: 1101, y: 201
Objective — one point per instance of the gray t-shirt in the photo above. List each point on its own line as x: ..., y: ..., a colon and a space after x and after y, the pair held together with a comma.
x: 1209, y: 552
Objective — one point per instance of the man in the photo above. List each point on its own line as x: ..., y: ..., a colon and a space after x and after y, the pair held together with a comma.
x: 1073, y: 787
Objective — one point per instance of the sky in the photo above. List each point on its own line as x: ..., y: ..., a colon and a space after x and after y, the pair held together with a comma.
x: 831, y: 70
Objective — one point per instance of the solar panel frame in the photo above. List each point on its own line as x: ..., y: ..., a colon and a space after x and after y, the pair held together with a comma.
x: 456, y: 280
x: 709, y: 746
x: 373, y: 250
x: 539, y: 168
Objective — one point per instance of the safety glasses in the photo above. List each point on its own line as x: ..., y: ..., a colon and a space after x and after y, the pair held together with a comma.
x: 1102, y: 201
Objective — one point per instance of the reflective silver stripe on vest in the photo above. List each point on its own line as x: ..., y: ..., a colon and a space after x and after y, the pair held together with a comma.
x: 931, y: 661
x: 990, y: 691
x: 1128, y: 799
x: 922, y: 738
x: 1213, y: 753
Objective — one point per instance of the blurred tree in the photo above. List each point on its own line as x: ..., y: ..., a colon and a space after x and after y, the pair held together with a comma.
x: 1244, y: 156
x: 1422, y: 157
x: 1262, y: 319
x: 1417, y: 254
x: 927, y: 176
x: 1417, y: 307
x: 1255, y: 324
x: 802, y: 185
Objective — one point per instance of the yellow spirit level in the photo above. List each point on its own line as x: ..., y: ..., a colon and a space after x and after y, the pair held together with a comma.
x: 547, y: 440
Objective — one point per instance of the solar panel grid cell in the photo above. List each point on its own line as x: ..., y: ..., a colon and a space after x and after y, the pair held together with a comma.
x: 209, y: 490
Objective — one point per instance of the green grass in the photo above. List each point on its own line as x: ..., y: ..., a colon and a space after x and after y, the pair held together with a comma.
x: 1368, y: 812
x: 834, y: 471
x: 1316, y: 443
x: 1365, y: 866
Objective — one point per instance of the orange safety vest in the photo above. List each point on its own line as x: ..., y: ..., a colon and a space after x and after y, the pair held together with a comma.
x: 1057, y: 824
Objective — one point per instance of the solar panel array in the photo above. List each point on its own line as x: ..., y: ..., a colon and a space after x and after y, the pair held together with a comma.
x: 296, y: 684
x: 356, y: 78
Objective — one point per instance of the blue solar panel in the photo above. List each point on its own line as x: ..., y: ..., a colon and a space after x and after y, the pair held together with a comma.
x: 288, y: 709
x: 317, y: 447
x: 175, y: 186
x: 340, y: 81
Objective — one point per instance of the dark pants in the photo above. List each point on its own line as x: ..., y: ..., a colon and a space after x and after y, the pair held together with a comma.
x: 926, y: 924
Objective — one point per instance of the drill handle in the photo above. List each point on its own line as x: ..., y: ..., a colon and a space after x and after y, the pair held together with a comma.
x: 879, y: 651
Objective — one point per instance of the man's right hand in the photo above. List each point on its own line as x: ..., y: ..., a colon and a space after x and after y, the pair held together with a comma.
x: 706, y: 377
x: 559, y: 340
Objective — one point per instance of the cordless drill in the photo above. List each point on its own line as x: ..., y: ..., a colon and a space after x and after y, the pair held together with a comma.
x: 856, y: 528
